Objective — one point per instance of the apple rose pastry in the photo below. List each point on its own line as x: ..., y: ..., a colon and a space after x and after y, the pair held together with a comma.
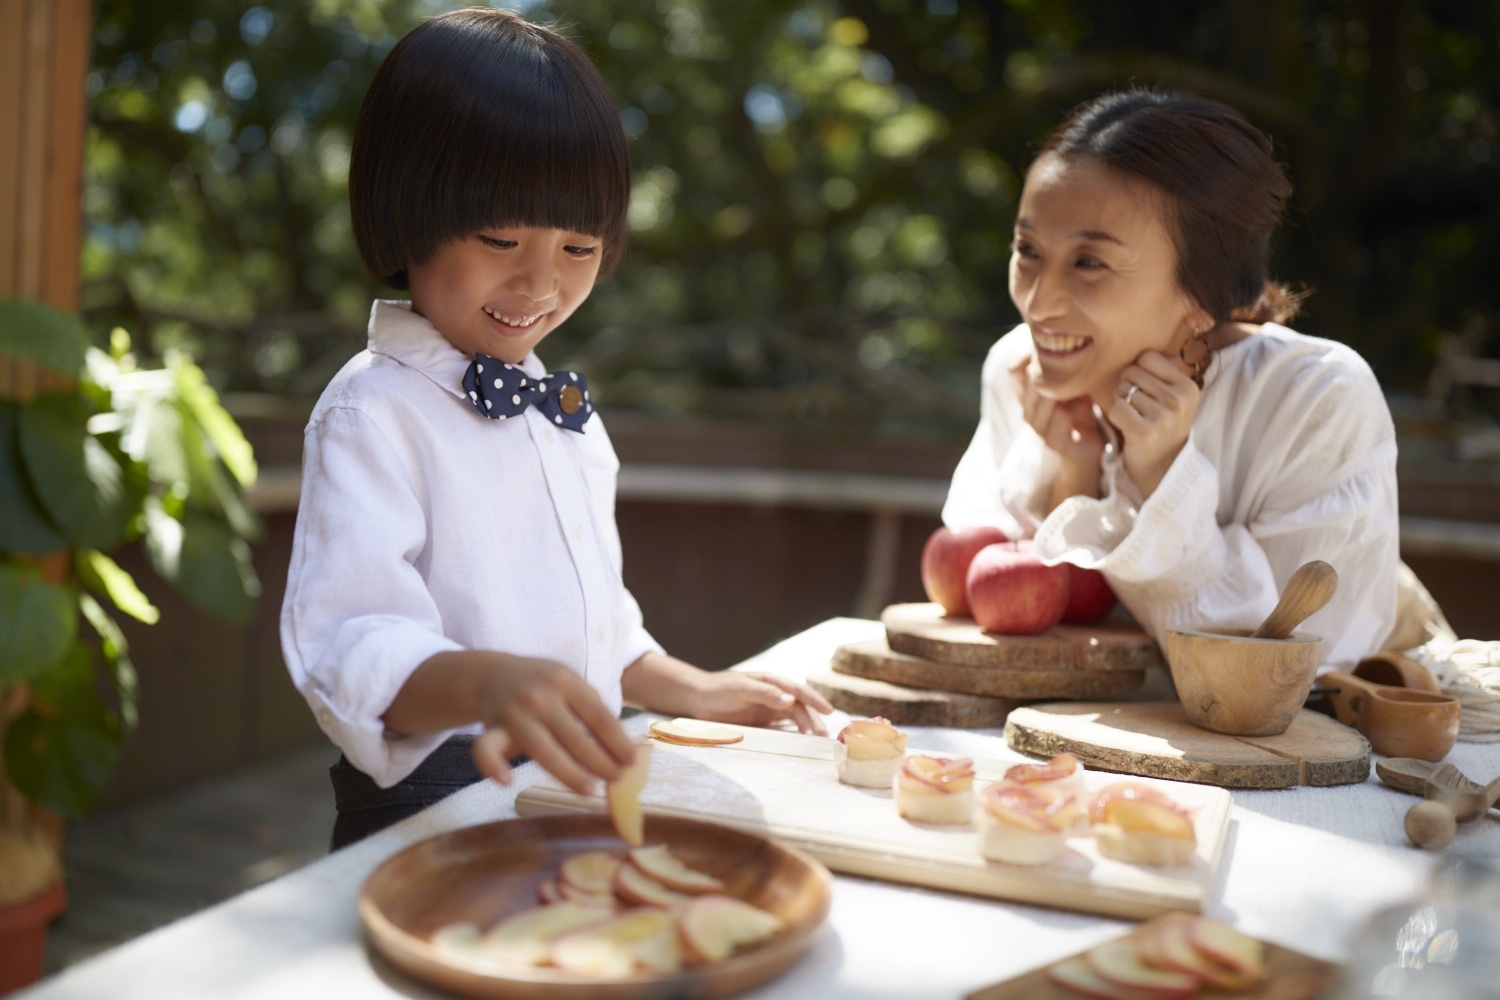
x: 1136, y: 823
x: 929, y: 790
x: 1062, y: 773
x: 1024, y: 824
x: 868, y: 753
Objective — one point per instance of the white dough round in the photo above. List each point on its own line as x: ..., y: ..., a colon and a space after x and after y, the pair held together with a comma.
x: 864, y: 773
x: 999, y: 841
x: 1142, y: 847
x: 947, y: 808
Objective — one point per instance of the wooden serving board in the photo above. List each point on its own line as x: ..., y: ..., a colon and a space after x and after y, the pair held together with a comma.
x: 1290, y: 975
x: 908, y: 706
x: 783, y: 785
x: 1155, y: 739
x: 923, y: 630
x: 876, y: 660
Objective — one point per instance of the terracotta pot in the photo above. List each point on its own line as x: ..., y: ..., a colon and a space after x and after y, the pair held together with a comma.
x: 23, y: 936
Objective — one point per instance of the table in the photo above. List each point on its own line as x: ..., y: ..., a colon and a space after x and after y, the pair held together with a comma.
x: 1303, y: 867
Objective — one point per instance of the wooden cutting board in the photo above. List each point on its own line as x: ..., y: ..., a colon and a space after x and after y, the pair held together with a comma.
x: 923, y: 630
x: 1290, y: 975
x: 1155, y: 739
x: 908, y: 706
x: 783, y: 785
x: 877, y: 661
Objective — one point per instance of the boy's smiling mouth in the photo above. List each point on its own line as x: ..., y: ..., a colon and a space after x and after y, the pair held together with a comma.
x: 517, y: 322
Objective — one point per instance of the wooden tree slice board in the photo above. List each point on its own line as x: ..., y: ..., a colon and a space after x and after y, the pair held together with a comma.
x: 923, y: 630
x: 877, y: 661
x: 1154, y: 739
x: 1290, y: 975
x: 909, y: 706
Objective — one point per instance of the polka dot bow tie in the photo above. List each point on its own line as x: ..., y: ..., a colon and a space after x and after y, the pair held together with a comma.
x: 499, y: 390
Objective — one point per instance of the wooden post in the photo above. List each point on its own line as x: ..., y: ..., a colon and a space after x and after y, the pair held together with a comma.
x: 44, y: 61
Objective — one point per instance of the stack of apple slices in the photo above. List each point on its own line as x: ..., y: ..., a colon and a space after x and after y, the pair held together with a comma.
x: 1174, y: 956
x: 605, y: 917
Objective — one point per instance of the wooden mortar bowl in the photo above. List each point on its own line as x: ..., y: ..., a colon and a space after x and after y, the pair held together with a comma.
x: 1231, y: 683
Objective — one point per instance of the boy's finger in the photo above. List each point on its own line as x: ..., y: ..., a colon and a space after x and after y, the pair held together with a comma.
x: 801, y: 692
x: 602, y: 724
x: 492, y: 755
x: 804, y: 721
x: 539, y: 743
x: 580, y: 744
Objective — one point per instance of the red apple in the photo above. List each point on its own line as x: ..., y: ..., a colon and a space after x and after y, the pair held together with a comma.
x: 1089, y: 596
x: 1013, y: 593
x: 945, y: 564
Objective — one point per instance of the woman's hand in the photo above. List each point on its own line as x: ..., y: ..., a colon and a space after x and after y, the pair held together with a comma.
x: 1069, y: 430
x: 1153, y: 410
x: 755, y: 699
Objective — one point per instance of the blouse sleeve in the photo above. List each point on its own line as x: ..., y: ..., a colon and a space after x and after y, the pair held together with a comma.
x: 1313, y: 469
x: 357, y: 619
x: 1006, y: 473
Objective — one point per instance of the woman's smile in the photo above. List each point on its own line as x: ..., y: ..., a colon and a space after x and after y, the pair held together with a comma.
x: 1055, y: 344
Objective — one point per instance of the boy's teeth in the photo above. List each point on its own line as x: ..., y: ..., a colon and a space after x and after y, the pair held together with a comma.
x: 1059, y: 343
x: 508, y: 322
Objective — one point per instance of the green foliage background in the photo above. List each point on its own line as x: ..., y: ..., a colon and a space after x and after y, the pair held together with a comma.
x: 823, y: 189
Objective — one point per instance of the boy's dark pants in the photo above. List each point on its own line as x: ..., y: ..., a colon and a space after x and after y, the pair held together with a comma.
x: 365, y: 808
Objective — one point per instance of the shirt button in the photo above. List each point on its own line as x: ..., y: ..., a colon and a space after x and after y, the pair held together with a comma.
x: 599, y: 633
x: 547, y: 435
x: 578, y: 530
x: 325, y: 717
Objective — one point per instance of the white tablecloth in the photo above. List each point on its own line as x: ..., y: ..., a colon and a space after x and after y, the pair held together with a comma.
x: 1303, y: 867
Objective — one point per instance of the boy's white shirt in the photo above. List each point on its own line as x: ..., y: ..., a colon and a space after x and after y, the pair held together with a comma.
x: 424, y: 527
x: 1292, y: 457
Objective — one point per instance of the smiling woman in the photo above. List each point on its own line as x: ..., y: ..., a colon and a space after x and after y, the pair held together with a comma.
x: 1152, y: 418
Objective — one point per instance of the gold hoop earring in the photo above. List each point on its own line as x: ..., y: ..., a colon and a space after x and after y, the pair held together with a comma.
x: 1196, y: 354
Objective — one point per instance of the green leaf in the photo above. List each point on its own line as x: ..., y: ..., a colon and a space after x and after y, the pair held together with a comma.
x: 37, y: 622
x: 117, y: 654
x: 204, y: 560
x: 39, y: 332
x: 202, y: 403
x: 60, y: 751
x: 103, y: 574
x: 80, y: 482
x: 23, y: 526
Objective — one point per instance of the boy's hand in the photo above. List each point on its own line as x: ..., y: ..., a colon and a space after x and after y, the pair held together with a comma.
x: 546, y: 711
x: 756, y: 699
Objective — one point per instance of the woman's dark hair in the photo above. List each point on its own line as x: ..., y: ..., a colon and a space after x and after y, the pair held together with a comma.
x: 481, y: 119
x: 1225, y: 192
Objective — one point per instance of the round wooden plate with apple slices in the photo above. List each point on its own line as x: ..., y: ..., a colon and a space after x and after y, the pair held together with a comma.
x: 483, y: 874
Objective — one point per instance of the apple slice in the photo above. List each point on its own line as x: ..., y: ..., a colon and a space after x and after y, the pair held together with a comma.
x: 692, y: 733
x: 1171, y: 948
x: 1120, y: 963
x: 549, y: 892
x: 624, y: 797
x: 637, y: 888
x: 661, y: 952
x: 591, y: 872
x: 1076, y: 975
x: 1227, y: 946
x: 714, y: 926
x: 661, y: 864
x: 567, y: 891
x: 606, y: 950
x: 526, y: 938
x: 456, y: 939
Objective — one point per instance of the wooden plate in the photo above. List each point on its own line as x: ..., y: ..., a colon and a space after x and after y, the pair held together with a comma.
x: 482, y: 874
x: 1290, y: 975
x: 924, y: 630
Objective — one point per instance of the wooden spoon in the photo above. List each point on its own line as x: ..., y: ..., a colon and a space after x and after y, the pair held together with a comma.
x: 1310, y: 588
x: 1466, y: 803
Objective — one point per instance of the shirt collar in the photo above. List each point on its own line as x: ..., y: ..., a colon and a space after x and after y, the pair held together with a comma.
x: 401, y: 334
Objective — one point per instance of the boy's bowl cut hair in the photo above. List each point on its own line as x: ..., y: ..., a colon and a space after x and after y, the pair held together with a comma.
x: 481, y: 119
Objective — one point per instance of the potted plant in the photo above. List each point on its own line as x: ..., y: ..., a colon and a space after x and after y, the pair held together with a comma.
x: 95, y: 453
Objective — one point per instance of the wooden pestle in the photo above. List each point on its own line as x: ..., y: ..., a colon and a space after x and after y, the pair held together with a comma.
x: 1311, y: 587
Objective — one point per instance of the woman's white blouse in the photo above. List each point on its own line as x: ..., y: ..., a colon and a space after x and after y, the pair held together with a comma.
x: 1292, y: 457
x: 424, y: 527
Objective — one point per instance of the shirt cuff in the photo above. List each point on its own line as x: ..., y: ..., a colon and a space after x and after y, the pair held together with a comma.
x: 379, y: 665
x: 1138, y: 541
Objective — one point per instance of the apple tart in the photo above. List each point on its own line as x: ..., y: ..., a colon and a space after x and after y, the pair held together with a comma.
x: 868, y: 752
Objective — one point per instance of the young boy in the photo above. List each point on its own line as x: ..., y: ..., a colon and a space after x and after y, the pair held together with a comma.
x: 456, y: 569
